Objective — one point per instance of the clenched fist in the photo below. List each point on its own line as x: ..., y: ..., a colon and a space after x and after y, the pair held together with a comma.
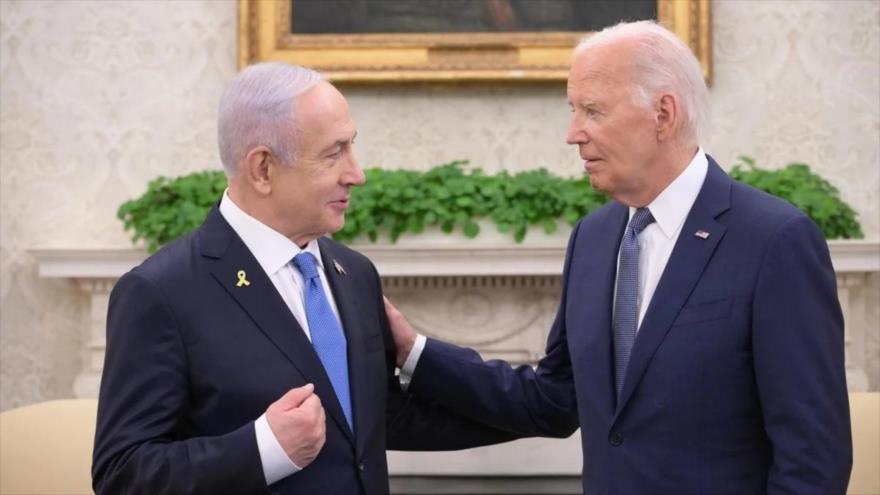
x: 297, y: 420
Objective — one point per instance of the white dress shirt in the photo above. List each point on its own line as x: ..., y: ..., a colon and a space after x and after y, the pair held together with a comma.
x: 670, y: 209
x: 274, y: 252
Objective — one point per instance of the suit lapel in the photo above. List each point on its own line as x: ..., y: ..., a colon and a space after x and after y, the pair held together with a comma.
x: 261, y: 301
x: 347, y: 300
x: 689, y: 258
x: 596, y: 268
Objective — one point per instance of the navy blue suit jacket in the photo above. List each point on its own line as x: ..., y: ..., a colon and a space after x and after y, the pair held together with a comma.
x: 736, y: 380
x: 193, y: 359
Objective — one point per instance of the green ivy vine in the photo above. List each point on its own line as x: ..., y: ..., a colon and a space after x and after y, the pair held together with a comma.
x: 452, y: 197
x: 811, y: 193
x: 448, y: 196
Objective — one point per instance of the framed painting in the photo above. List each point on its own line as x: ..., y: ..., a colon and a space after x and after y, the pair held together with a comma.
x: 448, y: 40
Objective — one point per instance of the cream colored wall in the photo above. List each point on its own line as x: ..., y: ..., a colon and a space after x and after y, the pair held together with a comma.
x: 96, y: 98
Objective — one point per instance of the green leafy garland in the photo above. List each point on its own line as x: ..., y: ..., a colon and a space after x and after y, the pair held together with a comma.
x: 400, y: 202
x: 811, y: 193
x: 171, y: 207
x: 405, y: 201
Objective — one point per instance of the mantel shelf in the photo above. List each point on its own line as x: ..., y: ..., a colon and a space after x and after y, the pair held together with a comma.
x: 464, y: 266
x: 414, y: 260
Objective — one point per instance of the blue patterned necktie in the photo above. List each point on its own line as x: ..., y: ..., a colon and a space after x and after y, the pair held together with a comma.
x: 328, y: 338
x: 626, y: 307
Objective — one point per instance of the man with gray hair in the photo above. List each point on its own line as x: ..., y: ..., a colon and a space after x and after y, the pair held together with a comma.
x: 699, y: 339
x: 254, y: 355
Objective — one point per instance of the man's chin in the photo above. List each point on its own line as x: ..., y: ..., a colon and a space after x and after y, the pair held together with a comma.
x: 598, y: 185
x: 335, y: 225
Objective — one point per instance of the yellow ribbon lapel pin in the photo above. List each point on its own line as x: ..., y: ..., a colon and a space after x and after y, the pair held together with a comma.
x: 338, y: 267
x: 242, y: 279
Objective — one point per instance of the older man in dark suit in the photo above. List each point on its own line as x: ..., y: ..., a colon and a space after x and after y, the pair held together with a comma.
x: 699, y: 339
x: 254, y: 355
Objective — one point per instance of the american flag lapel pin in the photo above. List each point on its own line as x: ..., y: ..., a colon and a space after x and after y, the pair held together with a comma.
x: 702, y: 234
x: 338, y: 267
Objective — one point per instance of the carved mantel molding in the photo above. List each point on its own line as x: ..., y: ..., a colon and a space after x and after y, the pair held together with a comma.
x: 417, y: 260
x: 391, y: 261
x: 498, y: 298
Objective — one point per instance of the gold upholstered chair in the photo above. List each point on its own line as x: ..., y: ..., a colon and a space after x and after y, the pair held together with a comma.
x: 46, y: 448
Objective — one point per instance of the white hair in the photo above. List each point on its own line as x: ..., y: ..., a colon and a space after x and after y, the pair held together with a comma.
x: 258, y: 109
x: 662, y: 62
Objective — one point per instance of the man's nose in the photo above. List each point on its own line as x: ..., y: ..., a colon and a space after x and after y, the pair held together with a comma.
x: 576, y: 133
x: 355, y: 175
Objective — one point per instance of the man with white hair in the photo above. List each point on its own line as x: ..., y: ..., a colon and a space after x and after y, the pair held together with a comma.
x: 253, y: 355
x: 699, y: 339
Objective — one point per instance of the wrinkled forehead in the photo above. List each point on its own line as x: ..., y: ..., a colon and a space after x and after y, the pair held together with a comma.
x: 600, y: 68
x: 319, y: 98
x: 323, y: 118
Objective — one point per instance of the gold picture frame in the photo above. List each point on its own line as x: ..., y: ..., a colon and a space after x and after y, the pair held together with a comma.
x: 265, y: 34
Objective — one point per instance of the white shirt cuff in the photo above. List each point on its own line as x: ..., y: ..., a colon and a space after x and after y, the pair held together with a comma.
x: 276, y: 464
x: 409, y: 366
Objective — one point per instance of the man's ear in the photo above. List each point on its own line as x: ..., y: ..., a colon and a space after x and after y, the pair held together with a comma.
x: 668, y: 117
x: 255, y: 170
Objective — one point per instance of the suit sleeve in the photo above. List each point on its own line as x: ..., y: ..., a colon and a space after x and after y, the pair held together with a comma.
x: 139, y: 447
x: 524, y: 400
x: 799, y: 364
x: 418, y: 425
x: 412, y: 423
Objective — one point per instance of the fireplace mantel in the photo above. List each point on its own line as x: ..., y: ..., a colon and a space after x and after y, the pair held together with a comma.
x: 416, y: 260
x: 498, y: 298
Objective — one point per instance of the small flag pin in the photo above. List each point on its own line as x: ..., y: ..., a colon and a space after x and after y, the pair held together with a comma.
x: 702, y: 234
x: 338, y: 267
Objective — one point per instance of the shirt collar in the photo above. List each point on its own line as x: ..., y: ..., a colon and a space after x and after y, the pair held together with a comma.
x: 271, y: 249
x: 671, y: 207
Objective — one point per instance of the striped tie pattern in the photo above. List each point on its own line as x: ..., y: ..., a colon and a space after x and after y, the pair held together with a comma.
x: 626, y: 306
x: 328, y: 339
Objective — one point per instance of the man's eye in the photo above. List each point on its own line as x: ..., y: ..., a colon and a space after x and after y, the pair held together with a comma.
x: 592, y: 113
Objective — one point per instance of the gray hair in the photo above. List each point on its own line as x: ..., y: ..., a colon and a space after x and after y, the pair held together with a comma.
x: 662, y: 62
x: 257, y: 109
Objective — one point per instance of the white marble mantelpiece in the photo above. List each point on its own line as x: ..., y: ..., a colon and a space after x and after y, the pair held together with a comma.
x: 391, y: 261
x: 417, y: 260
x: 498, y: 298
x: 451, y: 276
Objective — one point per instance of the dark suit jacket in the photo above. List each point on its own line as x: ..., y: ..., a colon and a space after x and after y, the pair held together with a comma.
x: 736, y: 380
x: 192, y: 360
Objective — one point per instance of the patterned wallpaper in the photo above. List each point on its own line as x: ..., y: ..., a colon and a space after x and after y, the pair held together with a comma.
x: 98, y: 97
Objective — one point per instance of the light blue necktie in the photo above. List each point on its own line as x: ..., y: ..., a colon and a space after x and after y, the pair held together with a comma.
x: 328, y: 338
x: 626, y: 307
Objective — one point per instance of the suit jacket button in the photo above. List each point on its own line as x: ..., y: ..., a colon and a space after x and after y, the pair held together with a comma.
x: 361, y: 467
x: 615, y: 439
